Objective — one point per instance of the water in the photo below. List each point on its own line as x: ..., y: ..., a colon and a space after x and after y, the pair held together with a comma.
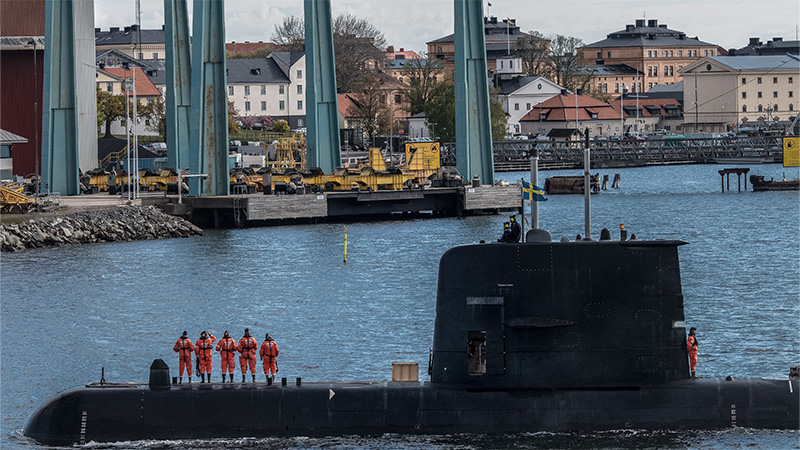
x: 67, y: 312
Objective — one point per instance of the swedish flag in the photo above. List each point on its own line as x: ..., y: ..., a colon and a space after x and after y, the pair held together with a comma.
x: 512, y: 22
x: 532, y: 192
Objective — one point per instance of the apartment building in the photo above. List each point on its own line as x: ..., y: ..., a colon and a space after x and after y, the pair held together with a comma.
x: 133, y: 41
x: 723, y: 92
x: 658, y: 52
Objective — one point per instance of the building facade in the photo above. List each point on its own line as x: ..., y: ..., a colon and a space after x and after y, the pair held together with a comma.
x: 133, y: 41
x: 573, y: 111
x: 658, y: 52
x: 722, y: 93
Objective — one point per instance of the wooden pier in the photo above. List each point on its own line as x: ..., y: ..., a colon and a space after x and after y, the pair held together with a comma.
x: 262, y: 210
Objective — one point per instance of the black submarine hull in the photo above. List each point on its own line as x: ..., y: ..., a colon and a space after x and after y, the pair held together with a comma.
x: 109, y: 414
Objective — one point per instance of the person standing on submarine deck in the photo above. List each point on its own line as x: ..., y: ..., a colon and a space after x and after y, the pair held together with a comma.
x: 691, y: 347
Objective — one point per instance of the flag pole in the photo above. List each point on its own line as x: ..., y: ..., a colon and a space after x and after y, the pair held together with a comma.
x: 534, y: 181
x: 587, y: 187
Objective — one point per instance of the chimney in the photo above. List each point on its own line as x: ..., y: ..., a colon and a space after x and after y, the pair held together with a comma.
x: 663, y: 25
x: 731, y: 52
x: 629, y: 27
x: 402, y: 49
x: 653, y: 23
x: 113, y: 29
x: 134, y: 27
x: 97, y: 30
x: 390, y: 49
x: 639, y: 23
x: 777, y: 39
x: 493, y: 20
x: 127, y: 29
x: 754, y: 41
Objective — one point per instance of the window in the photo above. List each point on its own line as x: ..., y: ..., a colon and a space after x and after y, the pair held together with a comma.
x: 744, y: 95
x: 680, y: 53
x: 299, y: 89
x: 281, y: 89
x: 774, y: 94
x: 791, y: 106
x: 155, y: 55
x: 759, y: 95
x: 247, y: 106
x: 263, y: 106
x: 666, y: 71
x: 476, y: 352
x: 649, y: 71
x: 609, y: 55
x: 141, y: 55
x: 760, y: 108
x: 230, y: 90
x: 671, y: 73
x: 649, y: 85
x: 501, y: 63
x: 744, y: 108
x: 439, y: 49
x: 758, y: 80
x: 694, y: 52
x: 516, y: 106
x: 511, y: 64
x: 398, y: 98
x: 110, y: 87
x: 649, y: 54
x: 605, y: 88
x: 666, y: 53
x: 774, y: 107
x: 670, y: 53
x: 299, y: 74
x: 711, y: 52
x: 527, y: 106
x: 791, y: 94
x: 744, y: 80
x: 706, y: 53
x: 791, y: 80
x: 281, y: 105
x: 599, y: 55
x: 616, y: 88
x: 247, y: 90
x: 263, y: 89
x: 774, y: 80
x: 300, y: 104
x: 150, y: 102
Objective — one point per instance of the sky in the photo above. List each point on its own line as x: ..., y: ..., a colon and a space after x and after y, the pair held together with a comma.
x: 411, y: 23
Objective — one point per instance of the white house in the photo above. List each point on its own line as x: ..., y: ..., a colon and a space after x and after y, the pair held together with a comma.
x: 519, y: 93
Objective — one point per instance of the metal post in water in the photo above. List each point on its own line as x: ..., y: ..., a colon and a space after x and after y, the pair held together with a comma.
x: 587, y: 188
x: 345, y: 245
x: 534, y: 180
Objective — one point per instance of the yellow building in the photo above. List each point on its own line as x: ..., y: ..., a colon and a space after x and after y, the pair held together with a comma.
x: 658, y: 52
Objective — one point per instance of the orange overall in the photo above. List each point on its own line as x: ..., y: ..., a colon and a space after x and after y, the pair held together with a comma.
x: 269, y: 354
x: 204, y: 350
x: 227, y: 349
x: 247, y: 348
x: 691, y: 347
x: 184, y: 348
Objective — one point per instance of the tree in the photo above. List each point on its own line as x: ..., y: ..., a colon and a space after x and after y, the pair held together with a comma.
x: 357, y: 44
x: 440, y: 113
x: 290, y: 35
x: 111, y: 107
x: 533, y: 48
x: 158, y: 117
x: 422, y: 76
x: 370, y: 107
x: 233, y: 125
x: 280, y: 126
x: 566, y: 61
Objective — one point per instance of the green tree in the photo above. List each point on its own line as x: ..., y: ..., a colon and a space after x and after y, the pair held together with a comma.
x: 111, y: 107
x: 440, y: 113
x: 280, y: 126
x: 422, y: 75
x: 233, y: 126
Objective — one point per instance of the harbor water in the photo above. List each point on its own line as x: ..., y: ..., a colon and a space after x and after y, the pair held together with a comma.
x: 68, y: 312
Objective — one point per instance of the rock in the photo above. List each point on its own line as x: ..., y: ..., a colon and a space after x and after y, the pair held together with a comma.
x: 119, y: 224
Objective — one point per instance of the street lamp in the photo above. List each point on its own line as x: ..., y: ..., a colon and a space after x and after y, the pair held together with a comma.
x: 391, y: 125
x: 622, y: 111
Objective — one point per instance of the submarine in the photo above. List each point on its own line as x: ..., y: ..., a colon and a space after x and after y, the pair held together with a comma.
x: 542, y: 335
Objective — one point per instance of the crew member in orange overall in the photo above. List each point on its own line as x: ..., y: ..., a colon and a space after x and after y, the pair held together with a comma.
x: 247, y: 348
x: 227, y: 350
x: 691, y: 347
x: 269, y: 355
x: 204, y: 349
x: 184, y: 348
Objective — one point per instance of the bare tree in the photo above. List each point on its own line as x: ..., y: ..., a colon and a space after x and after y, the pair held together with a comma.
x: 290, y: 34
x: 534, y: 49
x: 422, y: 75
x: 566, y: 61
x: 358, y: 46
x: 369, y: 106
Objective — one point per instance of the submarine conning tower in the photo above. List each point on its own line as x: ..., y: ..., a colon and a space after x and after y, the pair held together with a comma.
x: 571, y: 315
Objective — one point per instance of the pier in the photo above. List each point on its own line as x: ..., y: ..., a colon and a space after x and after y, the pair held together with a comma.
x: 249, y: 210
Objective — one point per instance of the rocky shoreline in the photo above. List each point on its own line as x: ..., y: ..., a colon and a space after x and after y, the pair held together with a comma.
x: 128, y: 223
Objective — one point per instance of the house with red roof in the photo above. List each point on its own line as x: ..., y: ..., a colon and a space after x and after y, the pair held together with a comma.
x: 112, y: 80
x: 572, y: 111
